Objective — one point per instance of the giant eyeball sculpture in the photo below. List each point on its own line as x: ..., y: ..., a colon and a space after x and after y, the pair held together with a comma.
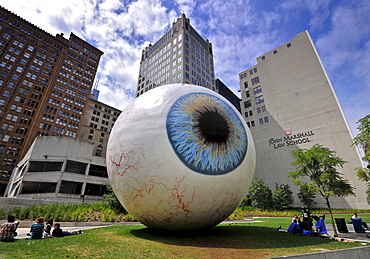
x: 180, y: 157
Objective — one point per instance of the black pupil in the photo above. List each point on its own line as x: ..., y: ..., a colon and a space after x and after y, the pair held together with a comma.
x: 213, y: 126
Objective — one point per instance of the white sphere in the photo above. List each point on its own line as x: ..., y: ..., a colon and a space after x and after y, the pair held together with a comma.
x: 180, y: 157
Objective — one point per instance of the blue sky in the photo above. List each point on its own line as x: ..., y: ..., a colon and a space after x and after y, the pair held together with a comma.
x: 240, y: 30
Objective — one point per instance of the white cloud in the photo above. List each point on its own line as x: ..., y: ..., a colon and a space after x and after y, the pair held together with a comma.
x: 345, y: 50
x: 120, y: 29
x: 239, y: 31
x: 185, y: 6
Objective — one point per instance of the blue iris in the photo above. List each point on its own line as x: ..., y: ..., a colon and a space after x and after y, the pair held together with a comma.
x: 206, y: 134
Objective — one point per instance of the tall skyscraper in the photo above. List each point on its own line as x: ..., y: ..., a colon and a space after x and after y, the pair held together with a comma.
x: 179, y: 56
x: 45, y: 84
x: 288, y: 102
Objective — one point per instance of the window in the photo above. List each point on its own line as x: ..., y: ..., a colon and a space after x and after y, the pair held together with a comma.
x: 246, y: 85
x: 255, y: 80
x: 257, y: 90
x: 75, y: 167
x: 8, y: 127
x: 255, y: 70
x: 16, y: 108
x: 246, y: 114
x: 90, y: 137
x: 252, y: 124
x: 15, y: 77
x: 259, y: 99
x: 38, y: 187
x: 251, y: 72
x: 250, y: 113
x: 249, y: 125
x: 71, y: 187
x: 288, y: 45
x: 266, y: 119
x: 3, y: 73
x: 263, y: 108
x: 6, y: 36
x: 261, y: 121
x: 275, y: 51
x: 95, y: 189
x: 247, y: 104
x: 263, y: 57
x: 247, y: 94
x: 6, y: 93
x: 5, y: 138
x: 258, y: 110
x: 19, y: 69
x: 97, y: 170
x: 11, y: 117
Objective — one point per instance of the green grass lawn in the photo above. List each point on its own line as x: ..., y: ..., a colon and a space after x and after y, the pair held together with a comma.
x: 247, y: 240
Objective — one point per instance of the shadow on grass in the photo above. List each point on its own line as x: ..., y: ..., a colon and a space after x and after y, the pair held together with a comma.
x: 230, y: 236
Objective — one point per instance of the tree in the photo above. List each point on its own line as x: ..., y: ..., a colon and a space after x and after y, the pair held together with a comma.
x: 363, y: 140
x: 282, y: 197
x: 260, y: 194
x: 307, y: 196
x: 316, y: 169
x: 112, y: 200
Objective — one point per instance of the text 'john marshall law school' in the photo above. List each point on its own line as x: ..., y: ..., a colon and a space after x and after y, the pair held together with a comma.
x: 291, y: 140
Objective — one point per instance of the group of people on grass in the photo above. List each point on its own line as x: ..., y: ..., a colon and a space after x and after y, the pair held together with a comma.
x: 303, y: 225
x: 38, y: 229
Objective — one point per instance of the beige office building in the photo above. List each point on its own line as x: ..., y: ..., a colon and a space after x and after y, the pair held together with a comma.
x: 288, y: 102
x: 179, y: 56
x: 97, y: 124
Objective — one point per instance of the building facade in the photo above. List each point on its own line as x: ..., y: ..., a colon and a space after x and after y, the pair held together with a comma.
x: 289, y: 102
x: 97, y: 124
x: 45, y: 84
x: 179, y: 56
x: 225, y: 91
x: 59, y: 169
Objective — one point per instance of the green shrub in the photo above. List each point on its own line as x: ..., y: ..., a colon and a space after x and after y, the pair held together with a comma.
x: 260, y: 194
x: 113, y: 202
x: 282, y: 197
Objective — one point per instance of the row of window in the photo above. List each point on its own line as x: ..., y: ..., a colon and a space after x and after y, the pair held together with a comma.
x: 259, y: 110
x: 251, y: 72
x: 258, y: 99
x: 261, y: 121
x: 66, y: 187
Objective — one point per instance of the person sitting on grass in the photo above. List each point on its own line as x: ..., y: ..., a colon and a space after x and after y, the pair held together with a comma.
x: 294, y: 228
x: 296, y: 219
x: 58, y: 232
x: 37, y: 228
x: 49, y: 225
x: 305, y: 224
x: 8, y: 229
x: 320, y: 225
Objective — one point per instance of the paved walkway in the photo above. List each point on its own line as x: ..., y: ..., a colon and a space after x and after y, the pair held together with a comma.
x: 350, y: 236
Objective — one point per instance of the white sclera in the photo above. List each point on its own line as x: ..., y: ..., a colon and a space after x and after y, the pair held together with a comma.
x: 153, y: 184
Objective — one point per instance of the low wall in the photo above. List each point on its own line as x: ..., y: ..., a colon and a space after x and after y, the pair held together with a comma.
x: 20, y: 202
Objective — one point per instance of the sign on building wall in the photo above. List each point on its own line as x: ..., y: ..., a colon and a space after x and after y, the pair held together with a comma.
x: 290, y: 139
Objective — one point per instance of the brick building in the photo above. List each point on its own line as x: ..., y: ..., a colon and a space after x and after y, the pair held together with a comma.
x: 45, y: 84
